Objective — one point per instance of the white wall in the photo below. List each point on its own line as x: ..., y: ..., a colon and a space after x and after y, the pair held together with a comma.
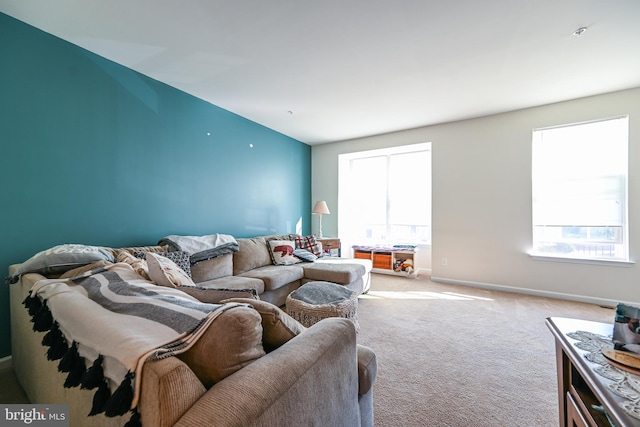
x: 482, y: 199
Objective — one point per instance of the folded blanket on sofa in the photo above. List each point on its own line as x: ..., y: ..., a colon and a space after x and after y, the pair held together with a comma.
x: 201, y: 248
x: 104, y: 325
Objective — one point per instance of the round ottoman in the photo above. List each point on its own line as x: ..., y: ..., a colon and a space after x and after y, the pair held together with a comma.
x: 315, y: 301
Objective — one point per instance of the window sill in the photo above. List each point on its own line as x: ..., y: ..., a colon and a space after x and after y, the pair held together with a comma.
x: 593, y: 261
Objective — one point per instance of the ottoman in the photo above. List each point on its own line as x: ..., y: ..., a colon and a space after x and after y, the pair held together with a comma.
x: 315, y: 301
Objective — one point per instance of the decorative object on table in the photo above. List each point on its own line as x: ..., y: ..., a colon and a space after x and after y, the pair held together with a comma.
x: 625, y: 382
x: 626, y: 328
x: 623, y: 359
x: 320, y: 209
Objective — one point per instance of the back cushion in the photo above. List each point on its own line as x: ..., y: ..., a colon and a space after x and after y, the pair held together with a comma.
x: 213, y: 268
x: 253, y: 253
x: 278, y: 327
x: 231, y: 342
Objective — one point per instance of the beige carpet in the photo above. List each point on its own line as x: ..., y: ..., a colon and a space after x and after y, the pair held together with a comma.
x: 457, y: 356
x: 451, y: 355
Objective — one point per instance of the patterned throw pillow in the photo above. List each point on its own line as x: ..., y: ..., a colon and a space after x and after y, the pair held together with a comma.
x: 309, y: 243
x: 180, y: 258
x: 165, y: 272
x: 282, y: 252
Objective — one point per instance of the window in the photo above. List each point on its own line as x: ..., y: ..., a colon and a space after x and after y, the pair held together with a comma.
x: 385, y: 196
x: 580, y: 190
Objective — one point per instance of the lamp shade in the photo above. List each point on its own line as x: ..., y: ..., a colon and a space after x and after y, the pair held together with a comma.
x: 321, y: 208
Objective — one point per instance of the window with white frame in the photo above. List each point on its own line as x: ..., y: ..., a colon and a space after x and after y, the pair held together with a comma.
x: 580, y: 190
x: 385, y: 196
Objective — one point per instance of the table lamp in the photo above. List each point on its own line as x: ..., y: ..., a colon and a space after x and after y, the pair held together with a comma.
x: 320, y: 209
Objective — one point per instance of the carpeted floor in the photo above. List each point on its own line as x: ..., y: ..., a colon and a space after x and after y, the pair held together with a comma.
x: 458, y: 356
x: 452, y: 355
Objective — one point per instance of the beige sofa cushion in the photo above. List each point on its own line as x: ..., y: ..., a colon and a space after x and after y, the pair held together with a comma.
x: 276, y: 276
x: 341, y: 273
x: 253, y: 253
x: 213, y: 268
x: 231, y: 342
x: 216, y: 296
x: 278, y: 327
x: 234, y: 282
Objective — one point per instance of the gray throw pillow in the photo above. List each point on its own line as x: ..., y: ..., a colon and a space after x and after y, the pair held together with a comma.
x: 61, y: 258
x: 305, y: 255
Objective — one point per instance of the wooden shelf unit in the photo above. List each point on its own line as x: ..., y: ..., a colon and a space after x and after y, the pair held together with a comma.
x: 388, y: 260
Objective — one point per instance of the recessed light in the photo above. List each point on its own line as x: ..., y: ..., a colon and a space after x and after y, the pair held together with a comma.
x: 580, y: 31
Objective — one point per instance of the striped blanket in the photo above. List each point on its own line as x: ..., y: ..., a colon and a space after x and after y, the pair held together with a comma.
x: 104, y: 325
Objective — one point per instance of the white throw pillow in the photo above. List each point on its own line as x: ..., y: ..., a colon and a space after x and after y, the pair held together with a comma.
x: 282, y: 252
x: 165, y: 272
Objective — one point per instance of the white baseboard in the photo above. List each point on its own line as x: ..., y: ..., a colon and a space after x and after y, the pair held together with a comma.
x: 5, y: 362
x: 527, y: 291
x: 423, y: 272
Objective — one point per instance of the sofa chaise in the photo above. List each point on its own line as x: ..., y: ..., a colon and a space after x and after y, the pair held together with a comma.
x: 252, y: 266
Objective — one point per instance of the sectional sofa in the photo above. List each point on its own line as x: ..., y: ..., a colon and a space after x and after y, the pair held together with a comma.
x: 253, y: 366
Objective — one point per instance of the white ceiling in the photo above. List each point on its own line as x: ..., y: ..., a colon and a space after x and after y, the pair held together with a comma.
x: 330, y: 70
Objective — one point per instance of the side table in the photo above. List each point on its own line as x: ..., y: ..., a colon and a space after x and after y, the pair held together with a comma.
x: 580, y: 387
x: 330, y: 244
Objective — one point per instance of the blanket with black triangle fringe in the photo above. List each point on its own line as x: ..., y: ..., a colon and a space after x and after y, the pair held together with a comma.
x: 103, y: 325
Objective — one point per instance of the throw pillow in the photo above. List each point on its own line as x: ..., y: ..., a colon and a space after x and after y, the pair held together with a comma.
x: 231, y: 342
x: 309, y: 243
x: 61, y: 258
x: 165, y: 272
x: 305, y: 255
x: 282, y: 252
x: 138, y: 264
x: 179, y: 257
x: 278, y: 327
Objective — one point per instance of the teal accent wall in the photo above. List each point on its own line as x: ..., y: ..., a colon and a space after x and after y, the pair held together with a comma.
x: 96, y: 153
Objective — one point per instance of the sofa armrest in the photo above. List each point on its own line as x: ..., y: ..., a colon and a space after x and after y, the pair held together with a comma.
x: 367, y: 369
x: 168, y: 390
x: 312, y: 377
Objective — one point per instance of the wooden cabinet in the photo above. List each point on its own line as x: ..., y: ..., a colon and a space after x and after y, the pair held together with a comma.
x: 382, y: 260
x: 584, y: 396
x: 398, y: 261
x: 361, y: 254
x: 574, y: 414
